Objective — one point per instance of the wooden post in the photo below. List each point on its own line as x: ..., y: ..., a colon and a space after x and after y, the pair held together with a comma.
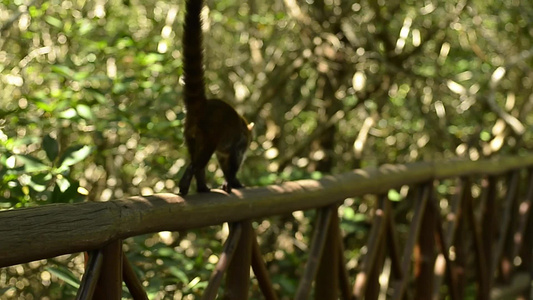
x: 133, y: 283
x: 425, y: 253
x: 459, y: 235
x: 327, y: 278
x: 421, y: 200
x: 261, y: 272
x: 448, y: 268
x: 235, y: 231
x: 526, y: 246
x: 502, y: 261
x: 93, y: 267
x: 488, y: 227
x: 375, y: 237
x: 109, y: 286
x: 238, y: 273
x: 344, y: 279
x: 373, y: 286
x: 481, y: 266
x: 315, y: 252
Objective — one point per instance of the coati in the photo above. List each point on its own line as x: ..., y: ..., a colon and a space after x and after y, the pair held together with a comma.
x: 211, y: 125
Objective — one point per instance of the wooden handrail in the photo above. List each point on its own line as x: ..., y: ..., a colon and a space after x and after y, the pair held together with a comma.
x: 51, y: 230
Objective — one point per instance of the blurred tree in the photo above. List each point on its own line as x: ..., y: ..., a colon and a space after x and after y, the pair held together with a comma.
x: 90, y: 107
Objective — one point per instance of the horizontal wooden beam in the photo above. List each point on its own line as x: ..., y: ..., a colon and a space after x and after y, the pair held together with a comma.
x: 51, y: 230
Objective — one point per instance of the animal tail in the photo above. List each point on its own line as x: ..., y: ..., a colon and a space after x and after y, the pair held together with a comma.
x: 194, y: 91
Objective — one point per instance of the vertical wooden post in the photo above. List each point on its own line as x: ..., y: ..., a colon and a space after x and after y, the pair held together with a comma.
x: 425, y: 253
x: 449, y: 269
x: 526, y: 247
x: 344, y: 279
x: 327, y: 278
x: 211, y: 291
x: 421, y: 200
x: 315, y: 252
x: 393, y: 244
x: 481, y: 266
x: 109, y: 286
x: 460, y: 237
x: 373, y: 286
x: 507, y: 265
x: 376, y: 236
x: 488, y: 227
x: 93, y: 267
x: 501, y: 258
x: 261, y: 272
x: 238, y: 273
x: 133, y: 283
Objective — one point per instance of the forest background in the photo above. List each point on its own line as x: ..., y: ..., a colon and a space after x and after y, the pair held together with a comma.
x: 91, y: 110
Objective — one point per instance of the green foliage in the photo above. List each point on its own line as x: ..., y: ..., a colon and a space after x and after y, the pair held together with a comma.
x: 65, y: 275
x: 90, y: 108
x: 29, y: 179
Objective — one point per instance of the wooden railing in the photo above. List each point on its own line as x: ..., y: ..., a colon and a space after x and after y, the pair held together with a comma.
x: 438, y: 248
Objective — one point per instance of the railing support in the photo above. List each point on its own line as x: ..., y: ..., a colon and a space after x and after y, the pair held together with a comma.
x: 502, y: 262
x: 327, y: 279
x: 261, y: 272
x: 525, y: 242
x: 235, y: 231
x: 481, y: 266
x: 344, y: 279
x: 424, y: 254
x: 375, y: 242
x: 238, y: 273
x: 488, y: 217
x: 421, y: 200
x: 446, y: 265
x: 496, y: 230
x: 315, y: 252
x: 93, y: 267
x: 109, y: 286
x: 132, y: 281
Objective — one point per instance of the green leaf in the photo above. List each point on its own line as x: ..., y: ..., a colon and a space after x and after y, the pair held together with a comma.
x: 85, y: 27
x: 316, y: 175
x: 35, y: 11
x: 179, y: 274
x: 68, y: 114
x: 119, y: 88
x: 150, y: 58
x: 100, y: 98
x: 32, y: 164
x: 39, y: 181
x: 51, y: 147
x: 72, y: 193
x: 69, y: 195
x: 3, y: 291
x: 41, y: 178
x: 63, y: 71
x: 65, y: 275
x: 26, y: 140
x: 45, y: 106
x: 125, y: 42
x: 62, y: 183
x: 394, y: 195
x: 166, y: 252
x: 348, y: 213
x: 85, y: 111
x: 54, y: 21
x: 57, y: 196
x: 78, y: 76
x: 74, y: 155
x: 485, y: 136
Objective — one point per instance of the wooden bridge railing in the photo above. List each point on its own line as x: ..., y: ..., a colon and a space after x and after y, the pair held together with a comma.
x: 436, y: 249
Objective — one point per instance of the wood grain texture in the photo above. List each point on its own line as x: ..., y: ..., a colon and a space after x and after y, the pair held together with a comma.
x: 51, y: 230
